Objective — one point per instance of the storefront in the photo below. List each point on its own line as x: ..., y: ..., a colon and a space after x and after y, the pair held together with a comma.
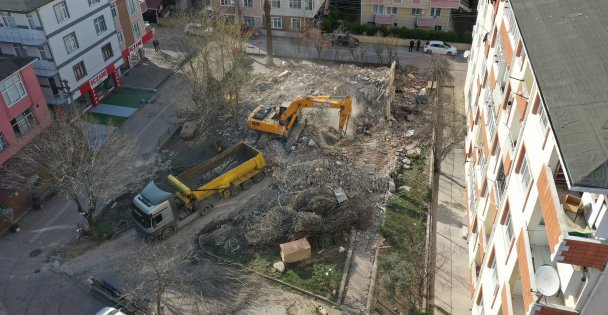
x: 99, y: 86
x: 133, y: 54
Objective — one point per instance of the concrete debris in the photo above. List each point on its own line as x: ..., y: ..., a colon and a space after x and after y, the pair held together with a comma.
x: 410, y: 133
x: 405, y: 188
x: 341, y: 249
x: 279, y: 266
x: 311, y: 143
x: 411, y: 76
x: 187, y: 132
x: 284, y: 73
x: 391, y: 186
x: 321, y: 310
x: 406, y: 161
x: 414, y: 152
x: 338, y: 163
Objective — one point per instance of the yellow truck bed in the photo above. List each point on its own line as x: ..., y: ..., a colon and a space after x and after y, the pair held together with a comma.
x: 216, y: 175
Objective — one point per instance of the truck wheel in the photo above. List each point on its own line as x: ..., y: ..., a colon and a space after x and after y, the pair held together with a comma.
x: 235, y: 189
x: 205, y: 209
x: 168, y: 232
x: 258, y: 177
x: 246, y: 184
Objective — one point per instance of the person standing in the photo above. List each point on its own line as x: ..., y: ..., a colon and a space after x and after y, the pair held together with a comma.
x: 418, y: 45
x: 411, y: 45
x: 156, y: 45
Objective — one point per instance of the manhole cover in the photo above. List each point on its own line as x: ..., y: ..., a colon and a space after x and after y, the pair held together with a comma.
x: 35, y: 252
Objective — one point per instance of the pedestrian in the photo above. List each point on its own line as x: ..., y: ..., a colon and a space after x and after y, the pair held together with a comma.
x: 156, y: 45
x: 418, y: 45
x: 411, y: 45
x: 427, y: 43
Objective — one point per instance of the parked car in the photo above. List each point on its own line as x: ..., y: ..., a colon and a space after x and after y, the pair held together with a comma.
x: 109, y: 311
x: 196, y: 29
x: 251, y: 32
x: 344, y: 39
x: 439, y: 47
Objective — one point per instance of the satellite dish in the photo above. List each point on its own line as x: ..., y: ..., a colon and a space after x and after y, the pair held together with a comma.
x: 547, y: 280
x: 466, y: 54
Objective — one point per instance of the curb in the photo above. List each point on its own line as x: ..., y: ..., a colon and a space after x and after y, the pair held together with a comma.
x: 347, y: 264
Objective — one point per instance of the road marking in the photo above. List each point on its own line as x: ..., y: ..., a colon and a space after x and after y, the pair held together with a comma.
x: 39, y: 232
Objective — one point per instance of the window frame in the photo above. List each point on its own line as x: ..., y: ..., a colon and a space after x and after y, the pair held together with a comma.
x: 107, y: 48
x: 133, y: 27
x: 309, y: 5
x: 524, y: 173
x: 299, y: 20
x: 227, y: 3
x: 249, y: 18
x: 131, y: 7
x: 114, y: 9
x: 272, y: 22
x: 64, y: 10
x: 295, y: 4
x: 435, y: 12
x: 543, y: 119
x: 275, y: 4
x: 93, y: 2
x: 3, y: 143
x: 16, y: 81
x: 391, y: 10
x: 250, y: 2
x: 418, y: 10
x: 26, y: 117
x: 439, y: 28
x: 82, y: 68
x: 100, y: 22
x: 72, y: 35
x: 377, y: 8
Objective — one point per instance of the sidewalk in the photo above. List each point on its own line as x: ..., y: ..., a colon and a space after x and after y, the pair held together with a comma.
x: 452, y: 292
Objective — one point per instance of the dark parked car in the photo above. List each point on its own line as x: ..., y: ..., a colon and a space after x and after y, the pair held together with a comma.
x: 344, y: 39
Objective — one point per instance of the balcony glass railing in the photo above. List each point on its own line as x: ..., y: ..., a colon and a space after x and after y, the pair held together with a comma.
x: 22, y: 36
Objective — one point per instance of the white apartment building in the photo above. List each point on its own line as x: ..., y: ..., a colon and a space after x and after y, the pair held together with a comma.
x: 75, y: 41
x: 537, y: 158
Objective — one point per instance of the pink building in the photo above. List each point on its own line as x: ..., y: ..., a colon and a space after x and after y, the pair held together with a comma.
x: 23, y: 108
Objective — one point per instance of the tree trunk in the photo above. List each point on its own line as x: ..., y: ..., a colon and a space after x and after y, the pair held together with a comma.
x: 268, y: 32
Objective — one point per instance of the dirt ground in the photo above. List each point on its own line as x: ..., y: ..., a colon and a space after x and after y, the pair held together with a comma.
x: 362, y: 164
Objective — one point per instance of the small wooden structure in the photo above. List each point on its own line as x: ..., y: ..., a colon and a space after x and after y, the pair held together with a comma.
x: 295, y: 250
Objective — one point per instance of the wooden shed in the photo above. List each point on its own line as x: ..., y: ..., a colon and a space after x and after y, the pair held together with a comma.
x: 295, y: 251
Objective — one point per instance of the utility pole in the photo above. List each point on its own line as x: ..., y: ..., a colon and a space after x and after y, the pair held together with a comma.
x: 268, y: 32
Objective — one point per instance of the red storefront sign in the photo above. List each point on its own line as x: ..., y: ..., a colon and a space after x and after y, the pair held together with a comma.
x: 127, y: 52
x: 89, y: 87
x: 98, y: 78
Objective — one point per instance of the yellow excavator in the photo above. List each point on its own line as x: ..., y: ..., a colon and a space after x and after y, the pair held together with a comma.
x: 279, y: 121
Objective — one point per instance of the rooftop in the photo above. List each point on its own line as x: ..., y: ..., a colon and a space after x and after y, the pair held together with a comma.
x: 10, y: 65
x: 22, y: 5
x: 565, y: 41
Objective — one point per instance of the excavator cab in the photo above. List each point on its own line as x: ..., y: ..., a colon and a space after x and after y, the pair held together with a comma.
x: 282, y: 110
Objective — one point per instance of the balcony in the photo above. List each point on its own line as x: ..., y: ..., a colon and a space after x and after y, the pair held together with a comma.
x: 45, y: 68
x: 384, y: 19
x: 51, y: 99
x: 22, y: 36
x: 425, y: 22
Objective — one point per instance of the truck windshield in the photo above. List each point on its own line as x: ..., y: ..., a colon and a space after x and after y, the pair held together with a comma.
x: 141, y: 217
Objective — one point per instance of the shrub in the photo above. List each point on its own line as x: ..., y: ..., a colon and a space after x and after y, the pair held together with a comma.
x: 383, y: 29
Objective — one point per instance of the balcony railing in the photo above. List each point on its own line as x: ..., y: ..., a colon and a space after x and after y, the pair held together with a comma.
x: 45, y: 68
x: 52, y: 99
x: 26, y: 37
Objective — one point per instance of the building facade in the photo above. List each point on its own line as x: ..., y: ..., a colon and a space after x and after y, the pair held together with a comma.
x: 286, y: 16
x: 426, y: 14
x: 537, y: 158
x: 23, y: 108
x: 131, y: 30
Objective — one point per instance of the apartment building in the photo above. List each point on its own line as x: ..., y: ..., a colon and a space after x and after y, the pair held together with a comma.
x: 75, y: 42
x: 537, y: 158
x: 426, y: 14
x: 23, y: 109
x: 131, y: 30
x: 286, y: 16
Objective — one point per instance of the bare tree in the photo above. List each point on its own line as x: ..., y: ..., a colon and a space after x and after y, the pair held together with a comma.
x: 392, y: 49
x: 379, y: 49
x: 268, y: 32
x: 314, y: 35
x: 84, y: 161
x: 358, y: 53
x: 448, y: 130
x: 296, y: 41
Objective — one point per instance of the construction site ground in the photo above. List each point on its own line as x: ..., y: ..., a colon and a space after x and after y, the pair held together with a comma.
x: 362, y: 163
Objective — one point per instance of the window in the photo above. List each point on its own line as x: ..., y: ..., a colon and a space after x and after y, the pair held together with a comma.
x: 248, y: 3
x: 13, y: 89
x: 43, y: 54
x: 157, y: 219
x: 438, y: 27
x: 131, y: 7
x: 114, y: 9
x: 92, y: 2
x: 61, y: 12
x: 276, y: 23
x: 508, y: 225
x: 19, y: 50
x: 295, y: 4
x: 494, y: 276
x: 378, y: 9
x: 510, y: 21
x: 8, y: 20
x: 23, y: 123
x: 107, y: 52
x: 524, y: 172
x: 100, y: 24
x: 500, y: 183
x: 275, y: 4
x: 416, y: 11
x: 227, y: 3
x: 121, y: 37
x: 296, y: 24
x: 249, y: 21
x: 491, y: 121
x: 31, y: 21
x: 3, y: 143
x: 136, y: 31
x: 79, y: 70
x: 391, y: 11
x: 435, y: 12
x: 70, y: 42
x: 308, y: 4
x: 544, y: 120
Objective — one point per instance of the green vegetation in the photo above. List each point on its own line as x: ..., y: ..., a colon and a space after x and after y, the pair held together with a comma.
x: 128, y: 97
x: 401, y: 268
x: 108, y: 120
x: 320, y: 274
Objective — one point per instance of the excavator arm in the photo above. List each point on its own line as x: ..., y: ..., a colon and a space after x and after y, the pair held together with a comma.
x: 289, y: 114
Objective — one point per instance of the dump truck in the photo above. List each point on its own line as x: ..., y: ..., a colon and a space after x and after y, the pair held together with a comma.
x: 158, y: 213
